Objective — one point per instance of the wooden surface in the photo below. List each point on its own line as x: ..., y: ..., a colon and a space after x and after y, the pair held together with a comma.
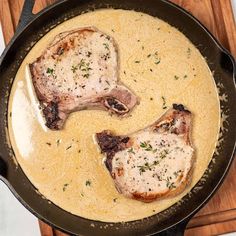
x: 219, y: 215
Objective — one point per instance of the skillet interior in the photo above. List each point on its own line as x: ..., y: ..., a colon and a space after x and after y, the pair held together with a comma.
x: 218, y: 61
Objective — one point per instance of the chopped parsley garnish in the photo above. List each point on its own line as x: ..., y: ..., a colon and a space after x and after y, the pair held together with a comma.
x: 88, y: 183
x: 137, y: 61
x: 163, y: 103
x: 176, y: 77
x: 49, y: 144
x: 185, y: 76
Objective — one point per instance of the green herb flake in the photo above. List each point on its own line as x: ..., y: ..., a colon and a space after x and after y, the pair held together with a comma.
x: 188, y: 53
x: 49, y: 144
x: 68, y: 147
x: 146, y: 146
x: 85, y: 68
x: 185, y: 76
x: 176, y: 77
x: 106, y: 46
x: 74, y: 68
x: 176, y: 174
x: 58, y: 142
x: 131, y: 150
x: 170, y: 185
x: 88, y: 183
x: 163, y: 103
x: 147, y: 166
x: 137, y: 62
x: 163, y: 154
x: 64, y: 187
x: 50, y: 71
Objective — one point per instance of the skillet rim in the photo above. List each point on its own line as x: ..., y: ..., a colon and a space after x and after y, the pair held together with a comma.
x: 216, y: 43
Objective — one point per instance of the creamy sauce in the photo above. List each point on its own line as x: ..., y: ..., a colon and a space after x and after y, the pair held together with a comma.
x: 162, y: 67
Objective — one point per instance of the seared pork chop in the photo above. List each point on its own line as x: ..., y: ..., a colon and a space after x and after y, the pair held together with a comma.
x: 79, y: 70
x: 152, y: 163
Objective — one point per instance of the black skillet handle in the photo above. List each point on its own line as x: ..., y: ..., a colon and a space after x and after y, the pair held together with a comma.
x: 26, y: 15
x: 177, y: 230
x: 25, y: 18
x: 228, y: 63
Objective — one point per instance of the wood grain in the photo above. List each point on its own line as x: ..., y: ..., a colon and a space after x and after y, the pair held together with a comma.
x: 219, y: 215
x: 213, y: 218
x: 6, y: 20
x: 223, y: 15
x: 214, y: 229
x: 45, y: 229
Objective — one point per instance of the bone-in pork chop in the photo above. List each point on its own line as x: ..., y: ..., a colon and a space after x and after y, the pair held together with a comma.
x: 79, y: 70
x: 152, y: 163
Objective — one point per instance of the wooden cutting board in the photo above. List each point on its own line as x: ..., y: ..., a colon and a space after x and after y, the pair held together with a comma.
x: 219, y: 215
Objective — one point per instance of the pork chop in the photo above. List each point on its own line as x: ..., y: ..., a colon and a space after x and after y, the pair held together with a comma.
x: 79, y: 70
x: 152, y: 163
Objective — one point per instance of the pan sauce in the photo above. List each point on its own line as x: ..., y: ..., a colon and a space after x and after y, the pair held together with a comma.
x: 162, y: 67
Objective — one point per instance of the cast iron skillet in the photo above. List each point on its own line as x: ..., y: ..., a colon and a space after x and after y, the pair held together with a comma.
x: 171, y: 221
